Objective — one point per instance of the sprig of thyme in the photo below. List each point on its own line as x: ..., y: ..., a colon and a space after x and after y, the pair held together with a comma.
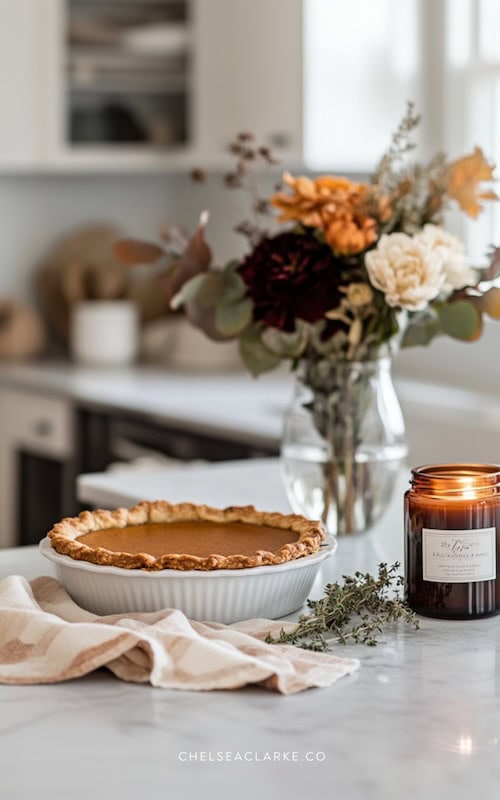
x: 354, y: 610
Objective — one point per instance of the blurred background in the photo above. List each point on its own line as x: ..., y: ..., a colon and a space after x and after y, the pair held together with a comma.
x: 107, y: 107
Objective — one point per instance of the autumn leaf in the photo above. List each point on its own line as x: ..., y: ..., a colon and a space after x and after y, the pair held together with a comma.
x: 193, y: 268
x: 492, y: 272
x: 134, y: 251
x: 490, y: 303
x: 464, y: 178
x: 195, y: 260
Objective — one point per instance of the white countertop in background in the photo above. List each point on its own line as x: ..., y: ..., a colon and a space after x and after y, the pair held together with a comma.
x: 226, y: 404
x: 420, y: 719
x: 443, y: 423
x: 254, y: 481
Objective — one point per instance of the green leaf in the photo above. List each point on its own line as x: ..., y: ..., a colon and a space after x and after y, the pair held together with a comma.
x: 188, y: 291
x: 461, y: 319
x: 255, y: 354
x: 211, y: 290
x: 230, y: 320
x: 206, y: 289
x: 287, y: 345
x: 234, y: 288
x: 421, y: 330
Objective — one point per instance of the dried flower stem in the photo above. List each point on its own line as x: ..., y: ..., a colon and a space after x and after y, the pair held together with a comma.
x: 401, y: 144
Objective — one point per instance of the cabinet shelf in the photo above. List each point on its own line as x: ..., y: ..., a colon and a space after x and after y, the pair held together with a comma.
x: 239, y: 68
x: 136, y: 85
x: 127, y: 74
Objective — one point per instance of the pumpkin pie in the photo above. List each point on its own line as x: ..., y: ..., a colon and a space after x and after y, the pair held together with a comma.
x: 159, y: 535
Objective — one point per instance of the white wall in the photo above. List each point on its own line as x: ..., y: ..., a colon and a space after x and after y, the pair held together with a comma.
x: 471, y: 365
x: 35, y: 210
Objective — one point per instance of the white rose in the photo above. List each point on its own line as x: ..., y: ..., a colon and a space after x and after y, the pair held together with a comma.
x: 456, y: 269
x: 406, y: 270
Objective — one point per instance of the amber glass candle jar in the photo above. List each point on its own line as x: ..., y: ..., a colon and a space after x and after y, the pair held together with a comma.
x: 452, y: 547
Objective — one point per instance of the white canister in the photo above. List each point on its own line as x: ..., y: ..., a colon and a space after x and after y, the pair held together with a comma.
x: 105, y: 332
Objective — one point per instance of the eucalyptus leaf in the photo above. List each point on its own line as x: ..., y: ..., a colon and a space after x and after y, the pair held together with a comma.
x: 211, y: 290
x: 287, y: 345
x: 188, y: 291
x: 461, y: 320
x: 230, y: 320
x: 254, y: 354
x: 234, y: 288
x: 231, y: 266
x: 421, y: 330
x: 206, y: 289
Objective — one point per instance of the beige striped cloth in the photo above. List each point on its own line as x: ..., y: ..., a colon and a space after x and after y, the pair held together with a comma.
x: 46, y: 638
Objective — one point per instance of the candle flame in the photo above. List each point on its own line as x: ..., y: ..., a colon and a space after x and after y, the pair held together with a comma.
x: 468, y: 491
x: 465, y: 745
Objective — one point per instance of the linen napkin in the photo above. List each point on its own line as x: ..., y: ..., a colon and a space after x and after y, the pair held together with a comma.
x: 46, y: 638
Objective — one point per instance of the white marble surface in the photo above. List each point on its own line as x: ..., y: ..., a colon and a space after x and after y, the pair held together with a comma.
x: 227, y: 404
x: 443, y: 423
x: 420, y: 719
x: 254, y: 481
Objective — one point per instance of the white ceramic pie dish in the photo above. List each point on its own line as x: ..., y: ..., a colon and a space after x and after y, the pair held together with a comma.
x: 222, y: 596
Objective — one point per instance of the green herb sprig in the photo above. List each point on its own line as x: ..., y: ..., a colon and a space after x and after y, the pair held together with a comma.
x: 354, y: 610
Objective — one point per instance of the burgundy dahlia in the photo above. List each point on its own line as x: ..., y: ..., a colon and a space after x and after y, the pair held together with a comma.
x: 291, y: 276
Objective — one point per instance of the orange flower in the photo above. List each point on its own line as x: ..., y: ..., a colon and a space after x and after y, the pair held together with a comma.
x: 348, y: 233
x: 464, y: 177
x: 335, y: 205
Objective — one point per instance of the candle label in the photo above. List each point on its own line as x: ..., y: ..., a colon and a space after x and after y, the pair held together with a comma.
x: 461, y: 556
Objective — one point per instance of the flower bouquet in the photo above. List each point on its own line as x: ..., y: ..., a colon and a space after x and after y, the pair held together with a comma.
x: 349, y: 273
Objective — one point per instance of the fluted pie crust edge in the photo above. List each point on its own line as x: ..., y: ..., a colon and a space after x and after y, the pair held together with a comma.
x: 64, y: 534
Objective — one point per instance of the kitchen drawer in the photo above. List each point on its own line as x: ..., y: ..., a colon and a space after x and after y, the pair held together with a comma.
x: 38, y: 423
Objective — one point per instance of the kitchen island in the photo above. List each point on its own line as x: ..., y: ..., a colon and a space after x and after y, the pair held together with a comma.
x: 421, y: 717
x: 230, y: 405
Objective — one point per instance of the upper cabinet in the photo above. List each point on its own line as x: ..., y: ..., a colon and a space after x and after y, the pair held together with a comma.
x: 98, y: 85
x: 127, y: 73
x: 24, y: 72
x: 248, y: 73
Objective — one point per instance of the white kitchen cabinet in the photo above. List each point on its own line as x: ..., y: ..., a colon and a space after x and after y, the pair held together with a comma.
x: 25, y: 67
x: 241, y: 69
x: 248, y: 74
x: 36, y: 444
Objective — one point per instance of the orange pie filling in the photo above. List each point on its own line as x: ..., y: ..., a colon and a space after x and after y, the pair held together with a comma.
x: 160, y: 535
x: 198, y: 538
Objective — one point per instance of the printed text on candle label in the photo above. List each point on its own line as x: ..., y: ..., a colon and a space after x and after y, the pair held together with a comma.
x: 462, y: 556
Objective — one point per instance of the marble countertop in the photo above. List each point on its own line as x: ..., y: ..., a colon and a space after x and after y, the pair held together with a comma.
x: 222, y: 483
x: 227, y: 404
x: 420, y: 719
x: 234, y: 406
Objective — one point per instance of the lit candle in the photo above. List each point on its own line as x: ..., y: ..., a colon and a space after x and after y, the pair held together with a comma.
x: 452, y: 546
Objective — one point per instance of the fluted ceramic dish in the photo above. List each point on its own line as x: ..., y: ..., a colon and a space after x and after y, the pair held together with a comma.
x: 224, y: 596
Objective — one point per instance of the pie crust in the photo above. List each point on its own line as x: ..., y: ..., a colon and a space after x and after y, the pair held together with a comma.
x: 306, y: 536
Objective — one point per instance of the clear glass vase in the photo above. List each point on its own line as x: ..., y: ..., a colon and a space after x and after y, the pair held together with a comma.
x: 343, y: 443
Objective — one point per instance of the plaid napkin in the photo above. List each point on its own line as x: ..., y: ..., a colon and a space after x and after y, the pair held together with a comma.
x: 46, y: 638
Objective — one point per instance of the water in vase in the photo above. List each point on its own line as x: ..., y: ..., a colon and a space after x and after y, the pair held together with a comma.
x: 348, y: 498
